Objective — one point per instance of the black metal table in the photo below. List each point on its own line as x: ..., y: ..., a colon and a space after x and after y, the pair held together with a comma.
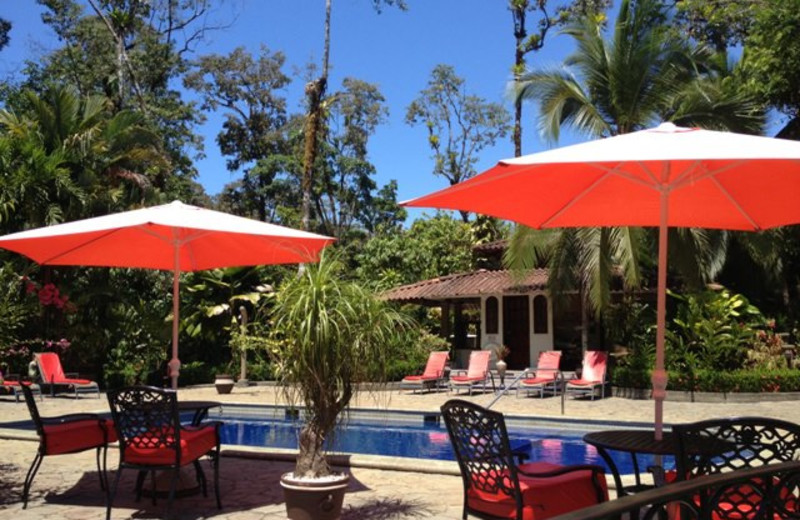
x: 634, y: 442
x: 200, y: 409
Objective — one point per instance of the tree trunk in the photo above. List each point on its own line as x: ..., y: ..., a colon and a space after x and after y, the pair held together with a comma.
x: 520, y: 33
x: 315, y: 92
x: 584, y: 319
x: 311, y: 458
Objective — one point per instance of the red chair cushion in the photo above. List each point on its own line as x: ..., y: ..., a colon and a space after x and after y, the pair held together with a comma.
x: 420, y: 378
x: 541, y: 497
x: 583, y: 382
x: 70, y: 381
x: 194, y: 444
x: 72, y: 437
x: 466, y: 379
x: 538, y: 380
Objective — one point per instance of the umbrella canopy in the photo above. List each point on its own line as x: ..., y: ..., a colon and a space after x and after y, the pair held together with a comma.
x: 666, y: 176
x: 175, y: 237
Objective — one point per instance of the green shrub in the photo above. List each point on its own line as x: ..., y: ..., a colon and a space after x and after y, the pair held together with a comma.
x: 629, y: 377
x: 197, y: 373
x: 408, y: 352
x: 780, y: 380
x: 260, y: 370
x: 712, y: 330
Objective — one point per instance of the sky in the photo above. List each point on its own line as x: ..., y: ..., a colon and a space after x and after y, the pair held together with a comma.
x: 395, y: 49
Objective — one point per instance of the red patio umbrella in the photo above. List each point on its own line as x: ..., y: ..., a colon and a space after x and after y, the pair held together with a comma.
x: 174, y: 237
x: 666, y: 177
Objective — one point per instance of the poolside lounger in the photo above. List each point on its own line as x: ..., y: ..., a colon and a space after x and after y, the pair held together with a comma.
x: 433, y: 375
x: 593, y: 375
x: 53, y: 374
x: 496, y: 486
x: 546, y: 376
x: 477, y: 374
x: 11, y: 385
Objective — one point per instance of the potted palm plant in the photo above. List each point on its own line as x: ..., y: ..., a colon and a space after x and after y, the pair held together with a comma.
x: 330, y: 336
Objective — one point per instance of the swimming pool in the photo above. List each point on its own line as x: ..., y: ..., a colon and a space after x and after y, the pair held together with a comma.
x: 417, y: 435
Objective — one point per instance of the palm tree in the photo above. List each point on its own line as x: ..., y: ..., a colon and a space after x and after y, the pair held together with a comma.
x: 642, y: 75
x: 92, y: 155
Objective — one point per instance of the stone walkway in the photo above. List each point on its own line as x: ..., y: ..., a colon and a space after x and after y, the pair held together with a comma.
x: 67, y: 486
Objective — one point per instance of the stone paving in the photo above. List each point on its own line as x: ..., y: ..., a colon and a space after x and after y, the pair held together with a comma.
x: 67, y: 487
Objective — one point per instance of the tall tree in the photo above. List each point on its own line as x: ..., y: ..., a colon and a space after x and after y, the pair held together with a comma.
x: 315, y: 106
x: 640, y: 76
x: 459, y: 125
x: 526, y: 44
x: 769, y: 33
x: 5, y: 28
x: 249, y: 90
x: 345, y: 184
x: 131, y: 52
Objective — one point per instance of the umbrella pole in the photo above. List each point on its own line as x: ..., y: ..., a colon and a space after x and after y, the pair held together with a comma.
x: 175, y: 363
x: 659, y: 377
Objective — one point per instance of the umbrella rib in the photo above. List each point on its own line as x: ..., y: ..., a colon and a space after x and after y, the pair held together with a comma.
x: 681, y: 179
x: 735, y: 204
x: 621, y: 173
x: 298, y: 250
x: 608, y: 172
x: 574, y: 200
x: 77, y: 247
x: 708, y: 173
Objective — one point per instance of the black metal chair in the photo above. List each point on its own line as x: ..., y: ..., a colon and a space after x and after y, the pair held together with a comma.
x: 495, y: 486
x: 152, y: 438
x: 65, y: 434
x: 731, y: 444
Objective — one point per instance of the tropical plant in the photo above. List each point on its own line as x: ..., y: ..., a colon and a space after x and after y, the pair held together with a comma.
x: 330, y: 335
x: 640, y: 76
x: 712, y: 330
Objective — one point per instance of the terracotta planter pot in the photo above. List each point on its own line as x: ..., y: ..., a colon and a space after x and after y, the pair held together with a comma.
x: 314, y: 500
x: 224, y: 383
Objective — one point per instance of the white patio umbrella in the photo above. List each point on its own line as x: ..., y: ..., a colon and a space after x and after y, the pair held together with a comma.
x: 665, y: 177
x: 174, y: 237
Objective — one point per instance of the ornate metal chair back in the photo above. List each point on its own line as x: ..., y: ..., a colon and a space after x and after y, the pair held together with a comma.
x: 146, y: 418
x: 724, y: 445
x: 480, y: 441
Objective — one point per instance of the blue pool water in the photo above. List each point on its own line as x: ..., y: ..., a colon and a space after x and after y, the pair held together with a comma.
x: 426, y: 440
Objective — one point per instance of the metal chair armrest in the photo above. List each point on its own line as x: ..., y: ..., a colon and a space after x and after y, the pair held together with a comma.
x: 73, y: 417
x: 563, y: 470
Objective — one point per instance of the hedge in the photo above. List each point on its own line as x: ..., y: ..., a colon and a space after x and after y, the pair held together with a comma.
x: 782, y: 380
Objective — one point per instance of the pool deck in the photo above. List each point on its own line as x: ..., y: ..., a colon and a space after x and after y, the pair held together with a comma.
x: 66, y: 487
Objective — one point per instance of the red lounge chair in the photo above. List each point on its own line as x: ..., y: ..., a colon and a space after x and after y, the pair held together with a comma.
x: 433, y: 374
x: 151, y: 438
x: 547, y: 376
x: 52, y: 374
x: 593, y: 375
x: 67, y: 434
x: 495, y: 486
x: 11, y: 383
x: 477, y: 374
